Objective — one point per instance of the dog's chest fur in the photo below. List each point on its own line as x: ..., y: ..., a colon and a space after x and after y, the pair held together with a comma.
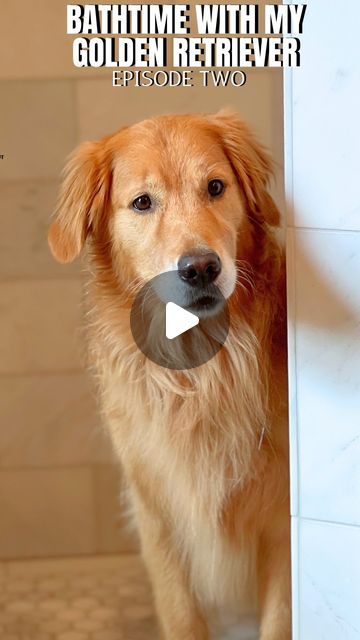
x: 192, y: 453
x: 189, y: 441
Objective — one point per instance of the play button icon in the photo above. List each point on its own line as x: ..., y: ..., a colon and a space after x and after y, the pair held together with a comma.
x: 178, y: 320
x: 177, y: 326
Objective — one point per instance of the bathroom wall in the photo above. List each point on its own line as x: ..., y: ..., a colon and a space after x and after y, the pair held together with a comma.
x: 322, y: 168
x: 58, y: 484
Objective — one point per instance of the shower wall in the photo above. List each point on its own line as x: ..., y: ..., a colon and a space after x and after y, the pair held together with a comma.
x: 322, y: 106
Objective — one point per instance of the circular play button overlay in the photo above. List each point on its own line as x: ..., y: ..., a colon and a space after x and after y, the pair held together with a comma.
x: 178, y: 326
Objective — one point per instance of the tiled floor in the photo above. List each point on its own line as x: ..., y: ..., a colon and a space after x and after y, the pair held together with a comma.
x: 98, y: 598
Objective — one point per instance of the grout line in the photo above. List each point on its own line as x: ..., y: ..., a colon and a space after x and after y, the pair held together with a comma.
x: 82, y: 466
x: 29, y: 178
x: 96, y: 515
x: 295, y: 582
x: 291, y: 288
x: 52, y: 79
x: 288, y: 145
x: 68, y: 556
x: 56, y: 178
x: 42, y: 374
x: 330, y: 522
x: 41, y: 278
x: 292, y: 380
x: 76, y: 115
x: 334, y: 230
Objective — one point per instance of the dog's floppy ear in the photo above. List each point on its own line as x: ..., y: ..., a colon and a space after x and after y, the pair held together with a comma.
x: 83, y: 199
x: 251, y: 164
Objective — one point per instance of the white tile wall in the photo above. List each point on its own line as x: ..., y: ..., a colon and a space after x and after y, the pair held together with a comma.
x: 327, y: 333
x: 329, y: 581
x: 322, y: 174
x: 326, y: 107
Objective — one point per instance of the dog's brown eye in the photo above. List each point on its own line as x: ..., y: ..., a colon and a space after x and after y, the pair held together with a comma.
x: 215, y: 187
x: 142, y: 203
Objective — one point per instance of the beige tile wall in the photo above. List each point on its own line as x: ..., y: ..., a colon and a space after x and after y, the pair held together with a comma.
x: 50, y: 420
x: 26, y: 205
x: 59, y: 487
x: 38, y: 127
x: 47, y: 512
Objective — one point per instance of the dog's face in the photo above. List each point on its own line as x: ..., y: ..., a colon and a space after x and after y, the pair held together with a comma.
x: 175, y: 193
x: 177, y: 207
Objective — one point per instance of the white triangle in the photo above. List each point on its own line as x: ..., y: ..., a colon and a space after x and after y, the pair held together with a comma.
x: 178, y: 320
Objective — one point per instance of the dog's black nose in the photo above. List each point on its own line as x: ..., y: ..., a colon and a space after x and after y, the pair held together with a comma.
x: 199, y: 269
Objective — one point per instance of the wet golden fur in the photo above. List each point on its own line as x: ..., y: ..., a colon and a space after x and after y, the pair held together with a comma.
x: 204, y: 450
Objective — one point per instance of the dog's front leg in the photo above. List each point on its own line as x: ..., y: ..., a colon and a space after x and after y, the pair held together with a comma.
x: 178, y: 613
x: 274, y: 580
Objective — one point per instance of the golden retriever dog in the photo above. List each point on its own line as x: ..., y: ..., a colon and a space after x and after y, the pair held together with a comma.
x: 204, y: 450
